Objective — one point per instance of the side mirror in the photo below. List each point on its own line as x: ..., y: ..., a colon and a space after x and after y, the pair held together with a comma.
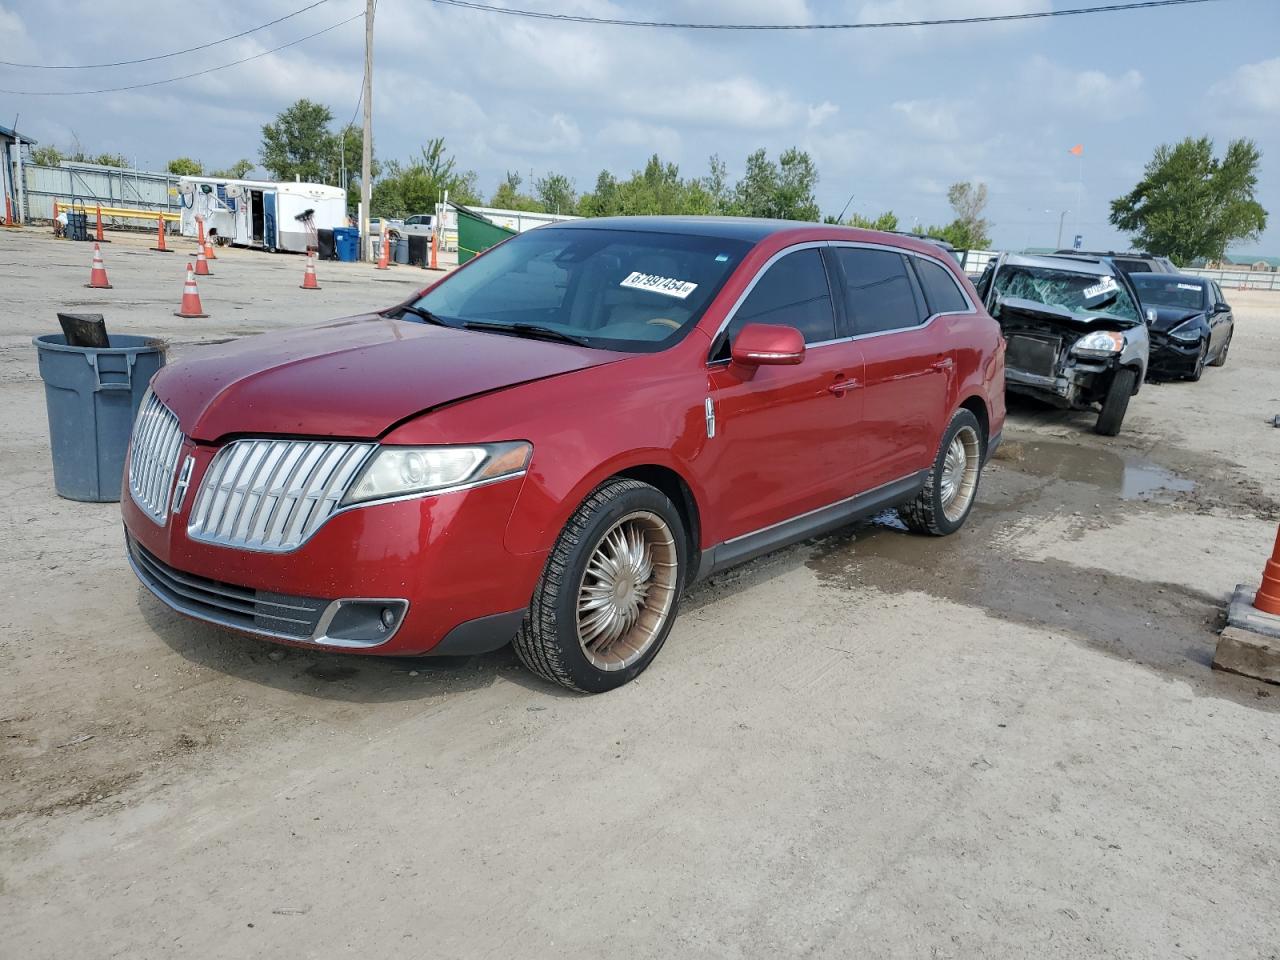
x: 763, y: 344
x: 1222, y: 307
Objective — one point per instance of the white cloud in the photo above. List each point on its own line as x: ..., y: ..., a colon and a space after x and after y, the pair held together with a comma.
x: 936, y: 119
x: 1253, y: 86
x: 1105, y: 95
x: 821, y: 113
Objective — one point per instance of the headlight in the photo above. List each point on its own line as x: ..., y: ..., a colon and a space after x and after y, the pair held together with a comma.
x: 405, y: 471
x: 1186, y: 332
x: 1100, y: 343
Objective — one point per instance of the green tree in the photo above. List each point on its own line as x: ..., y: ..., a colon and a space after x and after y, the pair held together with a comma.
x: 185, y: 167
x: 970, y: 230
x: 1189, y: 204
x: 299, y: 144
x: 509, y: 197
x: 416, y: 186
x: 887, y: 221
x: 556, y: 193
x: 46, y: 156
x: 604, y: 200
x: 716, y: 185
x: 237, y: 171
x: 783, y: 190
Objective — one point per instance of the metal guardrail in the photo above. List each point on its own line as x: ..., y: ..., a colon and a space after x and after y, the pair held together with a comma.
x: 119, y: 213
x: 1240, y: 279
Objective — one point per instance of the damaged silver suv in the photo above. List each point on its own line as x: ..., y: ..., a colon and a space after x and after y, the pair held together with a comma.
x: 1073, y: 331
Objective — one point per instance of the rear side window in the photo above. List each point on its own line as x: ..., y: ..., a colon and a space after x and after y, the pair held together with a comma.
x: 879, y: 293
x: 940, y: 290
x: 792, y: 293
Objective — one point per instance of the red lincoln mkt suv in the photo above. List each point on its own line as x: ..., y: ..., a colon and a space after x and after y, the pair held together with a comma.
x: 547, y: 446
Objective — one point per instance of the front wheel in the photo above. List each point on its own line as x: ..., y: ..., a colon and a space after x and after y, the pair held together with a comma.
x: 1221, y: 359
x: 1198, y: 370
x: 944, y: 503
x: 1116, y: 403
x: 610, y: 590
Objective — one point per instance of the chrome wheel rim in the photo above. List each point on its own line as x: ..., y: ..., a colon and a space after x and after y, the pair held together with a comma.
x: 627, y: 591
x: 960, y: 473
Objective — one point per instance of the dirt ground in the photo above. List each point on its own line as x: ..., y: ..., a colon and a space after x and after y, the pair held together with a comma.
x: 1008, y: 743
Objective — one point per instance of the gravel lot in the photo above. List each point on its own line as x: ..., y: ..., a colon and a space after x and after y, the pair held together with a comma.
x: 1008, y: 743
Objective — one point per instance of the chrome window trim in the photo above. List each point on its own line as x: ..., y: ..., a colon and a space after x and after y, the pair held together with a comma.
x: 857, y: 244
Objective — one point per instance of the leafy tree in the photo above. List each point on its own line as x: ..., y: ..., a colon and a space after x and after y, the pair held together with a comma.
x: 237, y: 171
x: 416, y: 186
x: 716, y: 185
x: 783, y: 190
x: 46, y: 156
x: 886, y: 221
x: 185, y: 167
x: 604, y: 200
x: 970, y: 230
x: 299, y: 144
x: 1190, y: 204
x: 556, y: 193
x: 509, y: 197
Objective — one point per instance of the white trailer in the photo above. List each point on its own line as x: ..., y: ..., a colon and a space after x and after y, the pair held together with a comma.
x: 262, y: 213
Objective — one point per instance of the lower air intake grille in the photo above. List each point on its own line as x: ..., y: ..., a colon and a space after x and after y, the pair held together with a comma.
x: 258, y: 611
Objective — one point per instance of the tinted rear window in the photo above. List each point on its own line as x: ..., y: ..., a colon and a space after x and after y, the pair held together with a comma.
x: 793, y: 293
x: 940, y: 289
x: 878, y: 292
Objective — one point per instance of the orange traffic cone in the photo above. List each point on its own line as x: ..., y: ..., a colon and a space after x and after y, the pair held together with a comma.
x: 202, y: 265
x: 434, y: 263
x: 98, y: 236
x: 208, y: 250
x: 190, y: 306
x: 309, y: 281
x: 98, y: 276
x: 160, y: 247
x: 200, y: 232
x: 1268, y: 596
x: 384, y: 257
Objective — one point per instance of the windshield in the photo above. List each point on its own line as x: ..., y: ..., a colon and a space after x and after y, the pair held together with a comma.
x: 614, y: 289
x: 1084, y: 294
x: 1162, y: 290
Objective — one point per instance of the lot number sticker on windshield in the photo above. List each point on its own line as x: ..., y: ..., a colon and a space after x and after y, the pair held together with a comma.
x: 1105, y: 285
x: 1189, y: 286
x: 667, y: 286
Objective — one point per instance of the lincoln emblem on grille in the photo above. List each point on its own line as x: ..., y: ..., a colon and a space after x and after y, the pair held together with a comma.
x: 184, y: 481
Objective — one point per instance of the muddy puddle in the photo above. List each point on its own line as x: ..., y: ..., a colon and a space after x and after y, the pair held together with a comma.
x: 1121, y: 474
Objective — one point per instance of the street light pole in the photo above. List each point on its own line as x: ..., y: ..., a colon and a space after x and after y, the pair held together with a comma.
x: 366, y: 150
x: 1060, y: 219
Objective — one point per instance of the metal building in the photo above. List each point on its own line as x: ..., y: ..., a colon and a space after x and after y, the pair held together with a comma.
x: 12, y: 190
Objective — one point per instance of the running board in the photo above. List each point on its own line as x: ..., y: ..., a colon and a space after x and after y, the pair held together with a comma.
x: 814, y: 523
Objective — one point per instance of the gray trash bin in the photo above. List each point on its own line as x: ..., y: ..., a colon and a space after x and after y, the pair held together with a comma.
x: 92, y: 396
x: 401, y: 250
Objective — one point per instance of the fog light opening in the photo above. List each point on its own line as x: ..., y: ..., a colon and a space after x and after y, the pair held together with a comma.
x: 388, y: 618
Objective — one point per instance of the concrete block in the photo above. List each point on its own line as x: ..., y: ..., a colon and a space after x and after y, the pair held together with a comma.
x: 1248, y: 653
x: 1241, y: 613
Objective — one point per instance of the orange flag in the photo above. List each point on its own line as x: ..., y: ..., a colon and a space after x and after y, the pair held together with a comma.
x: 1077, y: 150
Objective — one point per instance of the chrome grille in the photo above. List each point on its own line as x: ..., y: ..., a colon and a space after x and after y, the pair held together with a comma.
x: 273, y: 494
x: 153, y: 454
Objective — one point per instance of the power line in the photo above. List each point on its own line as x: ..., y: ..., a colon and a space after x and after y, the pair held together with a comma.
x: 991, y: 18
x: 185, y: 76
x: 160, y: 56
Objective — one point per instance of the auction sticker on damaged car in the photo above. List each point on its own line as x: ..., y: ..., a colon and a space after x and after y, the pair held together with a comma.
x: 1105, y: 285
x: 667, y: 286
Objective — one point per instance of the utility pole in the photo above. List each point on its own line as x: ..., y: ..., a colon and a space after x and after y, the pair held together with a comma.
x: 366, y: 151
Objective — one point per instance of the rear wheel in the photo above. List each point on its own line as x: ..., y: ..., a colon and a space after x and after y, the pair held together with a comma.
x: 1116, y: 403
x: 944, y: 503
x: 610, y: 591
x: 1221, y: 359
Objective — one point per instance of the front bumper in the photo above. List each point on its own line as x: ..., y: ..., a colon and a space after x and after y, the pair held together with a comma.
x: 438, y: 564
x: 1173, y: 357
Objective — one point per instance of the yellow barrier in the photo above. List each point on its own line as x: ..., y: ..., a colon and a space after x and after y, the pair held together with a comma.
x: 121, y: 213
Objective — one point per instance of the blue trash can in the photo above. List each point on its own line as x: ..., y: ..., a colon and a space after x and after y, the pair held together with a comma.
x: 93, y: 395
x: 346, y: 243
x: 400, y: 252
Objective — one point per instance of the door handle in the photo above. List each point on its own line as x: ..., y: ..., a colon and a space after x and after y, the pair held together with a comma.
x: 841, y: 386
x: 943, y: 364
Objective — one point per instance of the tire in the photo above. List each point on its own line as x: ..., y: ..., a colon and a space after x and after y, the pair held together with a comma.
x: 950, y: 490
x: 1221, y: 359
x: 1198, y: 372
x: 550, y: 641
x: 1116, y: 403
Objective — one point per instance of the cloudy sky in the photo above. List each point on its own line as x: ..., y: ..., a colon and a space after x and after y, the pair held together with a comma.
x: 891, y: 116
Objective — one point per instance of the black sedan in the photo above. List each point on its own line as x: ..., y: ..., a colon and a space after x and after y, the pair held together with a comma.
x: 1189, y: 321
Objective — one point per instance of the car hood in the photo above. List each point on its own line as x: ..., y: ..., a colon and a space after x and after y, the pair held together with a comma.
x: 354, y: 378
x: 1018, y: 308
x: 1166, y: 318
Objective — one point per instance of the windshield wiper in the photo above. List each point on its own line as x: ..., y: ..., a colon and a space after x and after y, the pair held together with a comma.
x: 531, y: 330
x: 425, y: 315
